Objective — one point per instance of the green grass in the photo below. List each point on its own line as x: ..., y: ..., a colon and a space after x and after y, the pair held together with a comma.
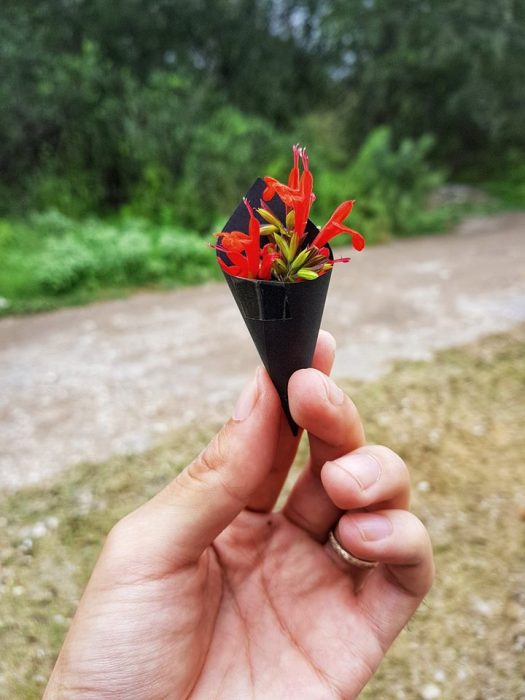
x: 49, y: 260
x: 456, y: 422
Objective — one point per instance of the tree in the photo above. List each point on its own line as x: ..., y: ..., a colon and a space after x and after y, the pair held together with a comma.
x: 454, y: 68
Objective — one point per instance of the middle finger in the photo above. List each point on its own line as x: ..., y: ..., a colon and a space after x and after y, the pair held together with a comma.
x: 371, y: 477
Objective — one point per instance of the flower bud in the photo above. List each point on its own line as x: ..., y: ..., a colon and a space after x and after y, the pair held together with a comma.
x: 268, y: 230
x: 306, y: 274
x: 269, y: 217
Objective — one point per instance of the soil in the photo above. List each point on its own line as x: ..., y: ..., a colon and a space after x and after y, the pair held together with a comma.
x: 111, y: 378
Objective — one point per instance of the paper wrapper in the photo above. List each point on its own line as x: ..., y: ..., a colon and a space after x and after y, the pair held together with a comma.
x: 283, y: 319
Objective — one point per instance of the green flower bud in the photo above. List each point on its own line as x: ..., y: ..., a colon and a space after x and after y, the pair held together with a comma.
x: 306, y: 274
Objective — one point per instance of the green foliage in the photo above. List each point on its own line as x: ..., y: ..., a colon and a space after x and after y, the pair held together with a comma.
x: 508, y: 185
x: 64, y: 264
x: 391, y: 185
x: 227, y: 154
x: 454, y: 68
x: 51, y: 260
x: 92, y: 121
x: 173, y: 125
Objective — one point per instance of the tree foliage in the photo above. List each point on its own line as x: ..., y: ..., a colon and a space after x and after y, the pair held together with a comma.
x: 454, y: 68
x: 168, y: 107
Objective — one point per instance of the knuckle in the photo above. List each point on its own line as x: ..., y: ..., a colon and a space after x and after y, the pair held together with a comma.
x: 207, y: 464
x: 210, y: 468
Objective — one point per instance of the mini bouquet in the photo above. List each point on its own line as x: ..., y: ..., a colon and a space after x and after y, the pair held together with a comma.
x: 278, y: 265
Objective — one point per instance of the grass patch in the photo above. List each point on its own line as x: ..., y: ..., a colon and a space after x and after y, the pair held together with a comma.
x: 50, y: 260
x: 456, y: 423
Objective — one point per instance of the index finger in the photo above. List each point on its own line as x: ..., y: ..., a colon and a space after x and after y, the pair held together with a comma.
x: 263, y: 500
x: 334, y: 429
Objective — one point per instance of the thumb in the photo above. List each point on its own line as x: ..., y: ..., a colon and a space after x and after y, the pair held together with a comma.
x: 176, y: 525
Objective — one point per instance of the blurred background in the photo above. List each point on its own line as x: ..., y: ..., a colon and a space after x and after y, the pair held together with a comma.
x: 128, y: 126
x: 128, y: 132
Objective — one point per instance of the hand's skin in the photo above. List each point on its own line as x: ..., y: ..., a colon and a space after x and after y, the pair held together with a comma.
x: 204, y: 592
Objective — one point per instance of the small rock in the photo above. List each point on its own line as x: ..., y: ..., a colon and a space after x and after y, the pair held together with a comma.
x: 39, y: 678
x: 483, y: 607
x: 440, y: 676
x: 430, y: 692
x: 52, y: 522
x: 59, y: 619
x: 18, y: 590
x: 423, y: 486
x: 4, y: 303
x: 39, y: 530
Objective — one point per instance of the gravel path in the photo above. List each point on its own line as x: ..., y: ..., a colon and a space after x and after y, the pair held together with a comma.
x: 86, y: 383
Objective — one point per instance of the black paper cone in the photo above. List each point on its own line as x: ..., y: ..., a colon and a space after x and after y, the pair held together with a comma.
x: 283, y: 319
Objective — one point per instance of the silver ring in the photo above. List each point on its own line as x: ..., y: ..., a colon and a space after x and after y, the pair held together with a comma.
x: 346, y: 556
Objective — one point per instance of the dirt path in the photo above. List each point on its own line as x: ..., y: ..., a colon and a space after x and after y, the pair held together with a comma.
x: 82, y: 384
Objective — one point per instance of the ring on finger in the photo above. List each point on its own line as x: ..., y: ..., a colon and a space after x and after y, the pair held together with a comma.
x: 347, y: 556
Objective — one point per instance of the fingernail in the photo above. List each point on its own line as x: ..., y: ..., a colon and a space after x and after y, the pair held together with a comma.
x: 373, y: 526
x: 364, y: 468
x: 247, y: 399
x: 334, y: 393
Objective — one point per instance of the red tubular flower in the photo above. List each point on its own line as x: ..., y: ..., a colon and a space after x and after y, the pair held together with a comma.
x: 293, y: 178
x: 235, y: 240
x: 334, y: 226
x: 253, y: 246
x: 268, y: 256
x: 233, y: 270
x: 286, y: 257
x: 304, y: 201
x: 298, y: 194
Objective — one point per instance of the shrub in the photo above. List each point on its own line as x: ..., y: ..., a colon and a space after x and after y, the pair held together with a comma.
x: 64, y: 264
x: 390, y: 185
x: 96, y: 254
x: 185, y: 257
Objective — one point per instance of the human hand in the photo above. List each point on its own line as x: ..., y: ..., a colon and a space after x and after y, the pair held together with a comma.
x: 204, y: 592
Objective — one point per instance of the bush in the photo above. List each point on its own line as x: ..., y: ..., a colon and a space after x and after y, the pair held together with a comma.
x: 50, y: 222
x: 64, y: 264
x: 185, y: 257
x: 227, y: 153
x: 94, y: 254
x: 390, y: 184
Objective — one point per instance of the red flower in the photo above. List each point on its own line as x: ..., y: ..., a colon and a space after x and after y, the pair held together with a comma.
x: 298, y: 194
x: 285, y: 257
x: 235, y: 240
x: 244, y: 252
x: 334, y: 226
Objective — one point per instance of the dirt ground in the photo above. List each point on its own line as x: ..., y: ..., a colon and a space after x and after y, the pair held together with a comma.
x: 112, y: 378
